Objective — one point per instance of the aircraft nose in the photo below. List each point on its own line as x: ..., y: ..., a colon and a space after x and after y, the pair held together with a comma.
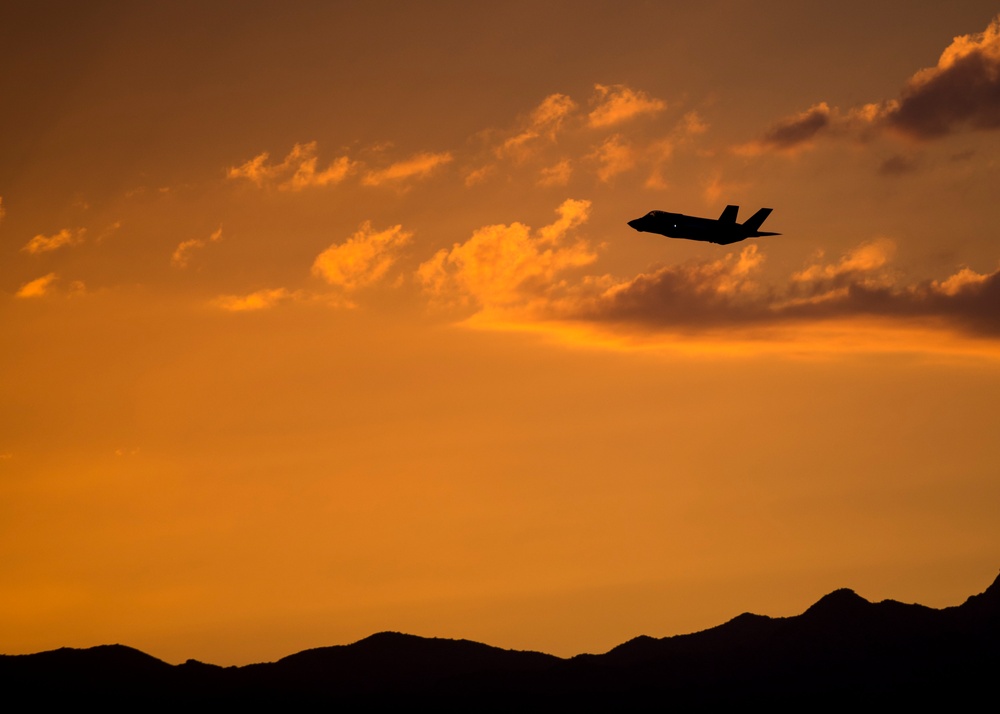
x: 634, y: 223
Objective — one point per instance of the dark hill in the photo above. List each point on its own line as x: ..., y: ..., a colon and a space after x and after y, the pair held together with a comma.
x: 844, y: 649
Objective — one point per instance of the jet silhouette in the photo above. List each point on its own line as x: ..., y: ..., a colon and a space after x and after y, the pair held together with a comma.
x: 723, y: 231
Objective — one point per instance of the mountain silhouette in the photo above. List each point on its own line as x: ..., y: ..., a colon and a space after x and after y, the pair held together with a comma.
x: 843, y: 649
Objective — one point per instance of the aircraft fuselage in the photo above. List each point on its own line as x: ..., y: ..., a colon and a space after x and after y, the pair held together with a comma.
x: 723, y: 231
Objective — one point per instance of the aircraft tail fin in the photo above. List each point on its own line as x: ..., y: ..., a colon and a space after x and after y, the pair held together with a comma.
x: 754, y: 222
x: 729, y: 215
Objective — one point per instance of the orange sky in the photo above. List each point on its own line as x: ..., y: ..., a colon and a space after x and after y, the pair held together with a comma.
x: 326, y: 321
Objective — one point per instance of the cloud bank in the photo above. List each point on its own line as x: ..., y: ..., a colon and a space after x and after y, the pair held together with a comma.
x: 727, y: 292
x: 510, y: 274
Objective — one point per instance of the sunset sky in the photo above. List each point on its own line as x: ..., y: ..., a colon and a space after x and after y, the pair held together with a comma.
x: 323, y: 318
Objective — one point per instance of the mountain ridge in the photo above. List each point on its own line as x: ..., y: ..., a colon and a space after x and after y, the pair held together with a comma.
x: 843, y: 646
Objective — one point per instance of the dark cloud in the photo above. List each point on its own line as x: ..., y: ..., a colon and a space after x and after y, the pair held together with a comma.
x: 963, y: 89
x: 793, y: 131
x: 896, y: 165
x: 973, y: 307
x: 704, y: 296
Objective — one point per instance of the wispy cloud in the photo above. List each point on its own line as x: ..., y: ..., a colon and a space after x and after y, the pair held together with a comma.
x: 617, y: 103
x: 44, y: 244
x: 296, y: 172
x: 544, y: 123
x: 615, y: 156
x: 38, y: 287
x: 258, y: 300
x: 361, y: 260
x: 793, y: 132
x: 182, y: 254
x: 556, y: 175
x: 418, y: 166
x: 477, y: 176
x: 557, y: 142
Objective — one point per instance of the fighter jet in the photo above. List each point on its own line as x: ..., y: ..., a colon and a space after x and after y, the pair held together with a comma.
x: 723, y: 231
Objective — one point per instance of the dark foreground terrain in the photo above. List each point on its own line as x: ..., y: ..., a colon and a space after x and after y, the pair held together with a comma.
x: 842, y: 650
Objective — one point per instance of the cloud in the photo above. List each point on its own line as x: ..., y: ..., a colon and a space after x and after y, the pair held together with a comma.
x: 615, y: 156
x: 961, y: 281
x: 363, y: 259
x: 182, y: 254
x: 417, y: 166
x: 864, y: 260
x: 618, y: 103
x: 479, y: 175
x: 38, y: 287
x: 556, y: 175
x: 693, y: 294
x: 44, y: 244
x: 108, y: 232
x: 793, y: 132
x: 964, y: 88
x: 727, y: 293
x: 516, y: 278
x: 504, y: 267
x: 659, y: 152
x: 898, y: 164
x: 544, y: 122
x: 259, y: 300
x: 297, y: 171
x: 557, y: 121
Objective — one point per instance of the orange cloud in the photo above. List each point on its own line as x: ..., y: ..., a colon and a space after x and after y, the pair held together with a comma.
x: 615, y: 156
x: 544, y: 123
x: 363, y: 259
x: 259, y: 300
x: 297, y: 171
x: 45, y: 244
x: 505, y: 267
x: 659, y: 152
x: 965, y: 279
x: 862, y: 260
x: 182, y: 254
x: 38, y: 287
x: 557, y: 174
x: 479, y: 175
x: 618, y: 103
x: 417, y: 166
